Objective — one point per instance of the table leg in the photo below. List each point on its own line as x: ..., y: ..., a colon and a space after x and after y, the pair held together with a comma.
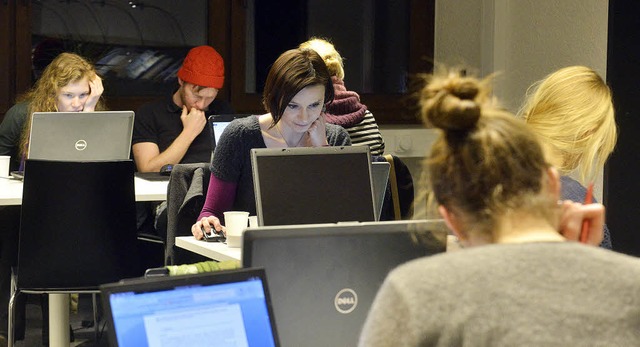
x: 59, y: 320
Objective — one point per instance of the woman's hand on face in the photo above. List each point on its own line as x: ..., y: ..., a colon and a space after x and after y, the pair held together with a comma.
x: 96, y: 91
x: 208, y: 225
x: 317, y: 133
x: 573, y: 214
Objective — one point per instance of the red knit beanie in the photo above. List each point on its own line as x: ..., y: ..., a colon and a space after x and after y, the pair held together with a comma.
x: 204, y: 67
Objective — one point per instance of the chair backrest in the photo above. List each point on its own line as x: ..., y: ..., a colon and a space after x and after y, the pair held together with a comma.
x: 186, y: 193
x: 78, y: 224
x: 400, y: 203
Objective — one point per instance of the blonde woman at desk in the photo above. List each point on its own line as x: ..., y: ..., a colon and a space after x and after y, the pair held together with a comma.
x: 296, y: 91
x: 346, y: 109
x: 68, y: 84
x: 572, y: 112
x: 522, y: 279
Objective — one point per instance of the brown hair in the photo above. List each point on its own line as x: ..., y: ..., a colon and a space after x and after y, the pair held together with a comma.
x: 486, y: 163
x: 293, y: 71
x: 64, y: 69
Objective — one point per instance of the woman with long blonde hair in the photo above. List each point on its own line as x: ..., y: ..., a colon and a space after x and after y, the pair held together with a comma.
x: 68, y: 84
x: 572, y: 112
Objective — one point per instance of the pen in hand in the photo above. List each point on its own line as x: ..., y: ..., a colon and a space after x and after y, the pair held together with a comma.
x: 585, y: 224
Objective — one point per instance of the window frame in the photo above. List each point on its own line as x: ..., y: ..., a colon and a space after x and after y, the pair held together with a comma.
x: 396, y: 108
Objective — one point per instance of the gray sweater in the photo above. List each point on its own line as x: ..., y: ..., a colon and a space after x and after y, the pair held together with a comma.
x: 534, y: 294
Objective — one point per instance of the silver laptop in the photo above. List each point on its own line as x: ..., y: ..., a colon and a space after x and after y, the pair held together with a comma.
x: 324, y: 277
x: 81, y: 136
x: 313, y: 185
x: 380, y: 177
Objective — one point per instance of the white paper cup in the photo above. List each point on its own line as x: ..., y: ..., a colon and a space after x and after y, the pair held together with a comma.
x: 4, y: 165
x: 235, y: 223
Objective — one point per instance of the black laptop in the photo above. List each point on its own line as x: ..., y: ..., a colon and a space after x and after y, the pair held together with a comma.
x: 227, y: 308
x: 324, y: 277
x: 313, y: 185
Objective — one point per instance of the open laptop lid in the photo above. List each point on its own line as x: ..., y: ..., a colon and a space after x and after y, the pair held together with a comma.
x: 380, y: 177
x: 324, y: 277
x: 218, y: 123
x: 81, y: 136
x: 191, y: 310
x: 313, y: 185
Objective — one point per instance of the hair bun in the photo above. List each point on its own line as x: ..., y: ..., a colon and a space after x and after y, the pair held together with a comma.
x: 465, y: 90
x: 451, y: 103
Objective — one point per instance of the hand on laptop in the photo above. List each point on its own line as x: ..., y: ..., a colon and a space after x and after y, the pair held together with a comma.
x: 96, y: 91
x: 206, y: 225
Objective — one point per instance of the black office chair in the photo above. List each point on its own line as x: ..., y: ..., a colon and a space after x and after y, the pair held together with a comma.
x: 78, y: 229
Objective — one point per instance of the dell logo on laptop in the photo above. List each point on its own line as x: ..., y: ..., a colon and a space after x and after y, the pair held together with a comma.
x: 81, y: 145
x: 346, y: 301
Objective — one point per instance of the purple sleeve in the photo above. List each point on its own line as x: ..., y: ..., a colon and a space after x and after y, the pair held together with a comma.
x: 220, y: 197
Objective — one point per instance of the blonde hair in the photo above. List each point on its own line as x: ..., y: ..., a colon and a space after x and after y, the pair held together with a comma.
x: 572, y: 112
x: 329, y: 54
x: 64, y: 69
x: 486, y: 163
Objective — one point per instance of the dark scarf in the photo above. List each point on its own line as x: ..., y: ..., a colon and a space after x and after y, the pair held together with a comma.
x: 346, y: 109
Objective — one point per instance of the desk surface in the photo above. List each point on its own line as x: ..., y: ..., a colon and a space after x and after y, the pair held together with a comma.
x: 220, y: 251
x: 11, y: 191
x: 215, y: 250
x: 150, y: 190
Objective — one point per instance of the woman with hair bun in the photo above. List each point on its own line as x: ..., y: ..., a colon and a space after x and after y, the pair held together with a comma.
x: 524, y: 280
x: 346, y: 109
x: 572, y: 112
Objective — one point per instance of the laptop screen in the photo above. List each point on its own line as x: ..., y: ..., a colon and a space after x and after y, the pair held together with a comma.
x: 218, y: 123
x: 81, y: 136
x: 199, y: 310
x: 324, y: 277
x: 313, y: 185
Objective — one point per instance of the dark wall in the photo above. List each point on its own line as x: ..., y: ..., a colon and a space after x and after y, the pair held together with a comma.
x: 274, y: 35
x: 622, y: 174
